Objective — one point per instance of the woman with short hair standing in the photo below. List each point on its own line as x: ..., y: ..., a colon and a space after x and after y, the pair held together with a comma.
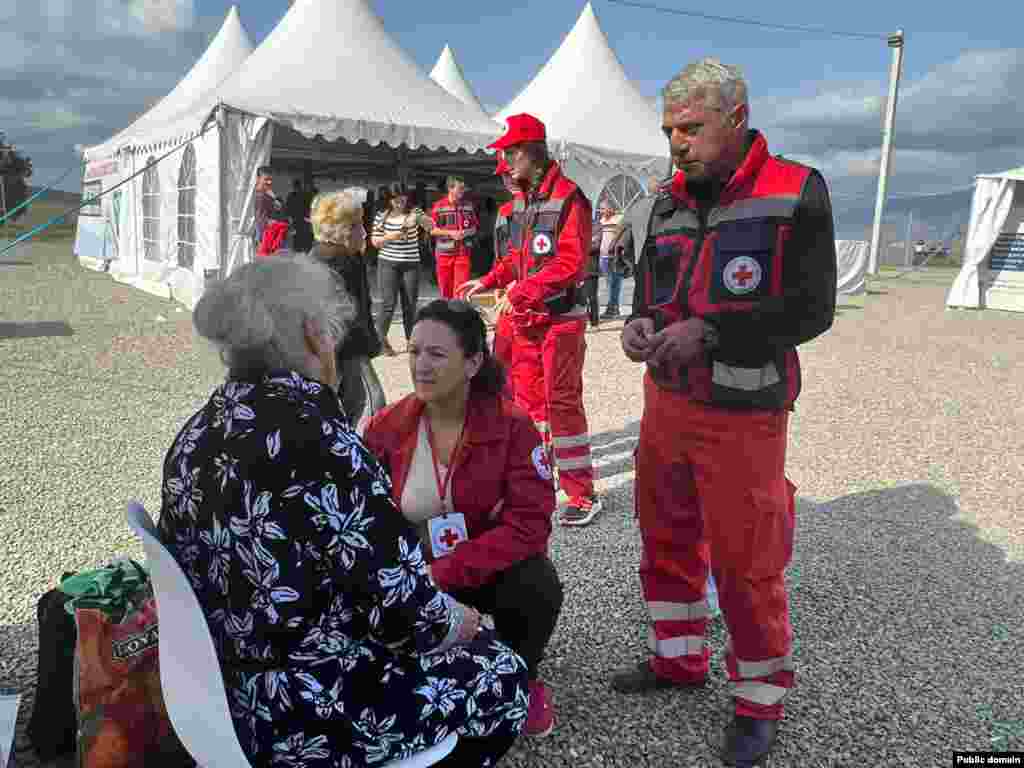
x: 337, y: 220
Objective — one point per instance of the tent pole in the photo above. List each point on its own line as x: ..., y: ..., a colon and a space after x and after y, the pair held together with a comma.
x: 223, y: 214
x: 896, y: 43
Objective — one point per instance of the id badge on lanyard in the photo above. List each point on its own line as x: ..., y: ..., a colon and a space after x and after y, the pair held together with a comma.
x: 446, y: 533
x: 449, y: 529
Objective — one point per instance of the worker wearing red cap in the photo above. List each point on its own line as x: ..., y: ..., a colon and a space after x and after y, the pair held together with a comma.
x: 549, y: 243
x: 455, y: 227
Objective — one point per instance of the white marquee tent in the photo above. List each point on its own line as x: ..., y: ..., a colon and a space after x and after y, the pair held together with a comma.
x: 992, y: 274
x: 604, y: 129
x: 448, y: 74
x: 328, y: 86
x: 142, y: 217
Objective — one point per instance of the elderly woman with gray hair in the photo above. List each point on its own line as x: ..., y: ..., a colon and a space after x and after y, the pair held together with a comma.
x: 336, y: 647
x: 337, y: 219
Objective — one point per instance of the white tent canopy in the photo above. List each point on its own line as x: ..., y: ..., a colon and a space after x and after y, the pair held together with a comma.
x: 594, y: 114
x: 330, y: 69
x: 584, y: 96
x: 992, y: 274
x: 448, y: 74
x: 228, y: 49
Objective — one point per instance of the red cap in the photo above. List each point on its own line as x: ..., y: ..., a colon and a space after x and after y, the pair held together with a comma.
x: 503, y: 167
x: 521, y: 128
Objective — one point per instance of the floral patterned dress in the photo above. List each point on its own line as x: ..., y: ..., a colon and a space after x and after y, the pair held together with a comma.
x: 336, y: 648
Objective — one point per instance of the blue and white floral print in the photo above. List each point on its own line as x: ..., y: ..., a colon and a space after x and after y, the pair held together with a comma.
x: 336, y: 646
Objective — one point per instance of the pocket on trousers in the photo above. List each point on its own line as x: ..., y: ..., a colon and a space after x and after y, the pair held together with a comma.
x: 771, y: 537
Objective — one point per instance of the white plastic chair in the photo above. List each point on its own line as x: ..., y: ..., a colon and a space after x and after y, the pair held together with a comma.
x: 190, y: 675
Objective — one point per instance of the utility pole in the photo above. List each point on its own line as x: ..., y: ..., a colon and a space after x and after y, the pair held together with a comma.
x: 895, y: 42
x: 908, y: 249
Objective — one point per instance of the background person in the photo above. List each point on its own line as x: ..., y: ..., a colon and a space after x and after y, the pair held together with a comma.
x: 470, y: 471
x: 455, y: 226
x: 396, y: 237
x: 717, y: 321
x: 335, y: 645
x: 612, y: 255
x: 337, y: 224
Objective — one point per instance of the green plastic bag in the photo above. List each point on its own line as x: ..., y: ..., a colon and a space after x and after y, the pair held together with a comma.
x: 110, y: 588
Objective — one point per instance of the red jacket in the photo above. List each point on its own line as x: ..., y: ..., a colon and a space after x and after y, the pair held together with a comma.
x: 758, y: 263
x: 501, y: 483
x: 548, y: 248
x: 461, y: 216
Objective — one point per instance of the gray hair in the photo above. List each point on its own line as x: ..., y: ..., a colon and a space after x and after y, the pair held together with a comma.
x: 256, y: 315
x: 709, y: 80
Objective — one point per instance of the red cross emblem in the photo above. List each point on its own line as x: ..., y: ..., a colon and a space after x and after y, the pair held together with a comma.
x: 743, y: 275
x: 449, y: 537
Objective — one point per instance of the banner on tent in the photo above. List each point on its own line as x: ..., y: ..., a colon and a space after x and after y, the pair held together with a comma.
x: 1008, y: 253
x: 101, y: 168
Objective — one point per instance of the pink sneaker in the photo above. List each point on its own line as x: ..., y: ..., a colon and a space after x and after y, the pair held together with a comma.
x: 540, y: 718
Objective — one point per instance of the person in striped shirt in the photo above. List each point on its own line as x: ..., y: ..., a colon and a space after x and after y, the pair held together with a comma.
x: 396, y: 236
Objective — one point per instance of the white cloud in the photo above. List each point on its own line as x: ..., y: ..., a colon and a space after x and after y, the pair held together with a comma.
x: 163, y: 15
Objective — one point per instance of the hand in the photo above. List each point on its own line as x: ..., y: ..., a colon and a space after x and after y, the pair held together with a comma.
x: 680, y: 343
x: 470, y: 627
x: 638, y: 339
x: 458, y: 235
x: 503, y: 305
x: 469, y: 289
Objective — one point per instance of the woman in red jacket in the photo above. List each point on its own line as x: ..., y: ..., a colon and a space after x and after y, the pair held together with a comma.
x: 470, y: 470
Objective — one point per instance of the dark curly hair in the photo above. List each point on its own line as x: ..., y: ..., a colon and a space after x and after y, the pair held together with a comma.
x: 470, y: 329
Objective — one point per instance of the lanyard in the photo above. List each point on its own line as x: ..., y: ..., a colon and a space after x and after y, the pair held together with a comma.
x: 443, y: 486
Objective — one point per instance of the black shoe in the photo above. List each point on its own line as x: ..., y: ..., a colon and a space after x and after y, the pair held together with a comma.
x: 610, y: 312
x: 746, y: 741
x: 642, y: 679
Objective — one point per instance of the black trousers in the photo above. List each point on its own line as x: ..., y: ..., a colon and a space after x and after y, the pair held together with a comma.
x: 590, y: 287
x: 525, y: 601
x: 394, y: 277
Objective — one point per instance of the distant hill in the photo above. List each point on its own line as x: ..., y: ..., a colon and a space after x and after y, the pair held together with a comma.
x: 66, y: 199
x: 934, y: 216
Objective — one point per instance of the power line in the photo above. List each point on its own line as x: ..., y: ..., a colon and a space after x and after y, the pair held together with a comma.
x: 751, y: 22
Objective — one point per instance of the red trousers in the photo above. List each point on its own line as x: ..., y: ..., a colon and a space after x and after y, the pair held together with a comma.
x: 711, y: 482
x: 504, y: 337
x: 547, y: 374
x: 274, y: 236
x: 452, y: 271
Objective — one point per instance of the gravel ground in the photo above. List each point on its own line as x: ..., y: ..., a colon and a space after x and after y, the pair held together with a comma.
x: 907, y: 447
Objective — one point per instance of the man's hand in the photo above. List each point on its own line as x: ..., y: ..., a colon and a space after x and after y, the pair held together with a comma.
x: 469, y: 289
x: 638, y: 339
x: 679, y: 344
x: 457, y: 235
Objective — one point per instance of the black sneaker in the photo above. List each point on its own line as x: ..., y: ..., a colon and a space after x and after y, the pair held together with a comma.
x: 747, y: 741
x: 610, y: 313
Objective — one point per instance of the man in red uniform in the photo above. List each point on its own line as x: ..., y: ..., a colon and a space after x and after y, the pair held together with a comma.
x: 455, y: 225
x: 738, y: 269
x: 549, y: 243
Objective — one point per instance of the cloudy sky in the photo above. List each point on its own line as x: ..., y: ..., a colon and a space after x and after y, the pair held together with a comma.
x: 76, y: 71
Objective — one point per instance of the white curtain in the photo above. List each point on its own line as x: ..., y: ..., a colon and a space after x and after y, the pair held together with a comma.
x: 990, y: 207
x: 247, y: 142
x: 852, y: 263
